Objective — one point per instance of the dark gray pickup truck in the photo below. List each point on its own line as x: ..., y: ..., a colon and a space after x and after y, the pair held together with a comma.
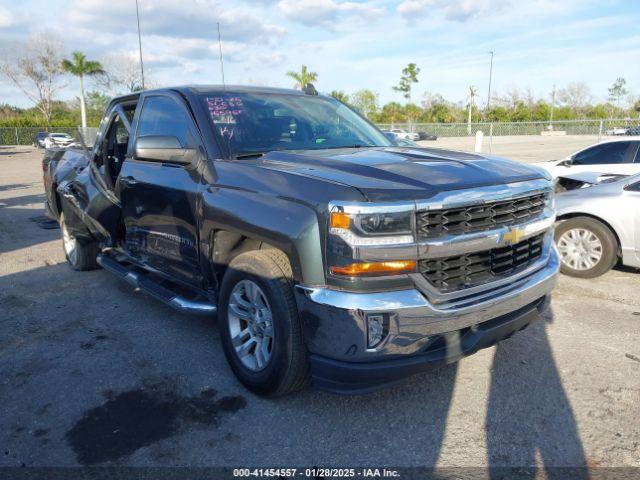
x: 327, y: 252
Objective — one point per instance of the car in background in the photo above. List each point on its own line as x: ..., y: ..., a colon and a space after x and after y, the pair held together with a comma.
x: 427, y: 136
x: 599, y: 225
x: 618, y: 156
x: 616, y: 131
x: 633, y: 131
x: 38, y: 140
x: 400, y: 133
x: 58, y: 140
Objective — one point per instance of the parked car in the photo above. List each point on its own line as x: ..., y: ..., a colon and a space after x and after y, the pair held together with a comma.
x: 426, y: 136
x: 326, y: 251
x: 599, y: 225
x: 400, y: 133
x: 403, y: 142
x: 633, y: 131
x: 614, y: 156
x: 38, y: 141
x: 58, y: 140
x: 616, y: 131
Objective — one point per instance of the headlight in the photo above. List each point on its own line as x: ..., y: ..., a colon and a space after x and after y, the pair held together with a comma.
x: 372, y: 228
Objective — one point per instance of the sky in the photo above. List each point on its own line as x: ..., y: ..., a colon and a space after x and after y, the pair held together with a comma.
x: 350, y: 44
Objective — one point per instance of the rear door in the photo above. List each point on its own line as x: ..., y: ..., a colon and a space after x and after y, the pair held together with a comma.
x: 88, y: 189
x: 610, y: 157
x: 160, y: 197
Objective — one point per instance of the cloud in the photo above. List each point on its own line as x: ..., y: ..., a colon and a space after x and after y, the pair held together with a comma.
x: 193, y: 19
x: 456, y: 10
x: 325, y: 13
x: 6, y: 18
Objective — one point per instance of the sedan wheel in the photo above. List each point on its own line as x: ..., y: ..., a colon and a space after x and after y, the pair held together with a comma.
x: 580, y: 249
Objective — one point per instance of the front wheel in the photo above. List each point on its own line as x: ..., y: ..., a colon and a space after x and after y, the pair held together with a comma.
x: 259, y: 324
x: 587, y: 247
x: 80, y: 255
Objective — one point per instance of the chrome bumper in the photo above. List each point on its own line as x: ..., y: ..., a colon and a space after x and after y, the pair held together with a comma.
x: 334, y: 321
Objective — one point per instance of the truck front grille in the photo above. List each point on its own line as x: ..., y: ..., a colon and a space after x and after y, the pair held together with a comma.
x: 477, y: 218
x: 463, y: 271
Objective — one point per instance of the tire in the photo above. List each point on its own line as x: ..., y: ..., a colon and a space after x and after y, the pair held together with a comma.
x: 81, y: 255
x: 591, y: 229
x: 287, y: 368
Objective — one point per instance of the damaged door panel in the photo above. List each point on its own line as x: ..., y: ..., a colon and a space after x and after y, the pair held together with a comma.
x: 159, y: 187
x: 90, y: 192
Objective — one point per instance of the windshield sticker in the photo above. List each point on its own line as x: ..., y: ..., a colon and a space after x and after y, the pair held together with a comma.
x: 224, y: 109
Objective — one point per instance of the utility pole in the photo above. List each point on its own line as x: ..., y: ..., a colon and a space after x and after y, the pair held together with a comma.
x: 221, y: 61
x: 553, y: 104
x: 140, y: 44
x: 490, y: 76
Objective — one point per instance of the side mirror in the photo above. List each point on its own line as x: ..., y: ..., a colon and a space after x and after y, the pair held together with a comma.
x: 566, y: 163
x: 163, y: 148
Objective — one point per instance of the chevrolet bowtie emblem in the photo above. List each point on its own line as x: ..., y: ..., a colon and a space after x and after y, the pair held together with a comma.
x: 513, y: 236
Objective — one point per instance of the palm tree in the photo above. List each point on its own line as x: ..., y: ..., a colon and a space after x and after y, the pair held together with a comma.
x: 472, y: 93
x: 303, y: 77
x: 80, y: 67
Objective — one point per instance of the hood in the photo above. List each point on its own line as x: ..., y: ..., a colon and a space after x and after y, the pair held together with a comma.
x: 397, y: 173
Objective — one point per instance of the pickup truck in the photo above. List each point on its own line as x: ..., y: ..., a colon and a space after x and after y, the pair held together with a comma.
x: 328, y: 253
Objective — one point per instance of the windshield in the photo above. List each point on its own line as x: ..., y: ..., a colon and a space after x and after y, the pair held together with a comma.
x: 260, y: 122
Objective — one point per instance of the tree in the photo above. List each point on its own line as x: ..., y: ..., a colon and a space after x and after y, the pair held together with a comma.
x: 636, y: 107
x: 366, y: 102
x: 303, y: 77
x: 576, y: 95
x: 340, y: 95
x: 122, y: 75
x: 81, y: 67
x: 37, y: 71
x: 473, y: 91
x: 409, y: 76
x: 617, y: 91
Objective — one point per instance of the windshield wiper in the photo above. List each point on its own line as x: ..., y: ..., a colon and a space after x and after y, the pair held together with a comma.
x: 241, y: 156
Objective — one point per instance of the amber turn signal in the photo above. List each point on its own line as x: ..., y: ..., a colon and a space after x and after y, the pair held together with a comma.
x: 395, y: 267
x: 340, y: 220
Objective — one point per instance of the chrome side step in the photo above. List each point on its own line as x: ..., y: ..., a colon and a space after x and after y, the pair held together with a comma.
x: 155, y: 289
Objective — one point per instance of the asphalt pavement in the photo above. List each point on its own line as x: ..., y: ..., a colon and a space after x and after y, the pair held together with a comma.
x: 95, y: 373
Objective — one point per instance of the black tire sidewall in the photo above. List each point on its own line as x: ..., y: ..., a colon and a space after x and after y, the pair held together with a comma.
x: 606, y: 237
x: 267, y: 380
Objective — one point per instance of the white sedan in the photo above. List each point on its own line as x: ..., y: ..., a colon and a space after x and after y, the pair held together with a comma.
x: 399, y: 133
x: 620, y: 156
x: 58, y: 140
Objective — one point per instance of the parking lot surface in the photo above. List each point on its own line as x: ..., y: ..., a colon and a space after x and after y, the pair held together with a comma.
x: 93, y: 372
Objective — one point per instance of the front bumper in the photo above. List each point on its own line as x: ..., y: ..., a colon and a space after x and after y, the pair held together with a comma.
x: 334, y: 325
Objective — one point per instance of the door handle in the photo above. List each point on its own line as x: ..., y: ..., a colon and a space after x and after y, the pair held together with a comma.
x: 129, y: 181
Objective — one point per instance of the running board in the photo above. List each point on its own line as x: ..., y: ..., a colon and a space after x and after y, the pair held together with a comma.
x: 155, y: 289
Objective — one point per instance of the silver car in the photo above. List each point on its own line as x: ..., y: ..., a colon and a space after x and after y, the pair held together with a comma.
x: 599, y: 225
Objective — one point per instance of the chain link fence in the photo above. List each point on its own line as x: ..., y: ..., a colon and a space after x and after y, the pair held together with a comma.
x: 27, y: 135
x: 602, y: 127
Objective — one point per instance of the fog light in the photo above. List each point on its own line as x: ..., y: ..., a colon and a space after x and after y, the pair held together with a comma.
x: 377, y: 329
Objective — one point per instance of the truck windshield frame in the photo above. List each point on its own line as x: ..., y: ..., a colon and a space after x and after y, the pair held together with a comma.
x: 247, y: 123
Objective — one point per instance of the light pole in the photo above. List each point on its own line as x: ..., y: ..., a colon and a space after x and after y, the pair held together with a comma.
x: 140, y: 45
x: 490, y: 75
x: 221, y: 61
